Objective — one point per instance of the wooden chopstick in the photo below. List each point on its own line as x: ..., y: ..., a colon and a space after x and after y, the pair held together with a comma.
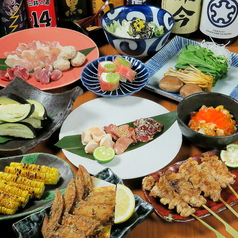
x: 229, y: 228
x: 232, y: 189
x: 218, y: 234
x: 229, y: 207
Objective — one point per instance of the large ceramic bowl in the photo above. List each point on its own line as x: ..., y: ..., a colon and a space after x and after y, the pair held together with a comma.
x: 57, y: 105
x: 193, y: 103
x: 138, y: 48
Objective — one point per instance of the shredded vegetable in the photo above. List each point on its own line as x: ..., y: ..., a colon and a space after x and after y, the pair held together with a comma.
x: 137, y: 29
x: 204, y: 59
x: 192, y: 75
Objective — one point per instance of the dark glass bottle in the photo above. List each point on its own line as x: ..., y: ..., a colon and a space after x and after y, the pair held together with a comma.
x: 186, y: 15
x: 13, y: 15
x: 219, y: 21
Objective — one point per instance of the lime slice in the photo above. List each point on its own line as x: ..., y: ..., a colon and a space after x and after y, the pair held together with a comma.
x: 230, y: 155
x: 125, y: 204
x: 103, y: 154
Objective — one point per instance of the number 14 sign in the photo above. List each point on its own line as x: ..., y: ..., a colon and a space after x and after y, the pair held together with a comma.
x: 41, y: 13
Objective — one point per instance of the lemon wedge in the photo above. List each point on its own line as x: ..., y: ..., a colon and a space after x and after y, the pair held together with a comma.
x: 230, y: 155
x: 125, y: 204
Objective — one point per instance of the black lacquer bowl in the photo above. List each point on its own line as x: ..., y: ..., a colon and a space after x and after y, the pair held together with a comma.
x: 193, y: 103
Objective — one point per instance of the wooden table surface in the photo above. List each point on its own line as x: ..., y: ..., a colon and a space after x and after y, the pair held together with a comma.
x: 153, y: 226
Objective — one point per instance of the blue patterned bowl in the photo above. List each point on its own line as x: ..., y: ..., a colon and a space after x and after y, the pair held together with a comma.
x: 89, y: 78
x: 138, y: 48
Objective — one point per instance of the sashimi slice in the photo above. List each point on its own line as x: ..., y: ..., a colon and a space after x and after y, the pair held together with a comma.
x: 91, y: 146
x: 107, y: 141
x: 122, y: 144
x: 109, y: 81
x: 92, y: 133
x: 126, y: 72
x: 106, y: 66
x: 121, y: 61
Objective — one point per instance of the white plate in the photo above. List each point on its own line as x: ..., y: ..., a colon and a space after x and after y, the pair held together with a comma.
x: 131, y: 164
x: 168, y: 56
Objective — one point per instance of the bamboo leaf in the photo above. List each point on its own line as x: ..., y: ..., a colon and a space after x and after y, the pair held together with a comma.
x: 4, y: 139
x: 87, y: 51
x: 74, y: 145
x: 4, y: 67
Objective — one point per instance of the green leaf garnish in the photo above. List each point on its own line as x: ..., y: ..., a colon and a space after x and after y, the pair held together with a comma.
x: 74, y: 145
x: 4, y: 139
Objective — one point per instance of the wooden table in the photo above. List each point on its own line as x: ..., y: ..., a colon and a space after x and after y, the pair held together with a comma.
x: 153, y: 227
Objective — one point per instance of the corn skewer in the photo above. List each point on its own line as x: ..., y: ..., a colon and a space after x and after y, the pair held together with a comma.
x: 229, y: 207
x: 218, y: 234
x: 232, y: 189
x: 229, y: 228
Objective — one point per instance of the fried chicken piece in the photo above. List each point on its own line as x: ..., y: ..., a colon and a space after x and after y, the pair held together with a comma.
x: 83, y: 183
x: 70, y: 195
x: 69, y: 231
x: 87, y: 225
x: 106, y: 197
x: 101, y: 212
x: 218, y: 170
x: 52, y: 223
x: 185, y: 189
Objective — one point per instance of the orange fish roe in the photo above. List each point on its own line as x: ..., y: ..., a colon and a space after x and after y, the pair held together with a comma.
x: 213, y: 121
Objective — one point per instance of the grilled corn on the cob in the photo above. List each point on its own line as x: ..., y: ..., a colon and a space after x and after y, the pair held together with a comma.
x: 21, y: 195
x: 45, y: 177
x: 21, y: 181
x: 43, y: 173
x: 34, y: 192
x: 8, y: 201
x: 35, y: 188
x: 8, y: 211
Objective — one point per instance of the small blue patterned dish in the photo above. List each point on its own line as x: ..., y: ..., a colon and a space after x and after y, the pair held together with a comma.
x: 30, y: 226
x: 138, y: 48
x: 89, y: 78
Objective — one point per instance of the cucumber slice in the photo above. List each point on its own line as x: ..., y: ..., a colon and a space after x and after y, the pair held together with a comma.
x: 23, y: 130
x: 39, y: 112
x: 15, y: 112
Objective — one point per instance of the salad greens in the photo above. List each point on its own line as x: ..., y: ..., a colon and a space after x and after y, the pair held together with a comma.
x: 204, y: 60
x: 137, y: 29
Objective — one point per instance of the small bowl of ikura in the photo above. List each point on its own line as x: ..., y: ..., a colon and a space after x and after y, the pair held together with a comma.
x: 149, y: 29
x: 192, y: 104
x: 125, y: 79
